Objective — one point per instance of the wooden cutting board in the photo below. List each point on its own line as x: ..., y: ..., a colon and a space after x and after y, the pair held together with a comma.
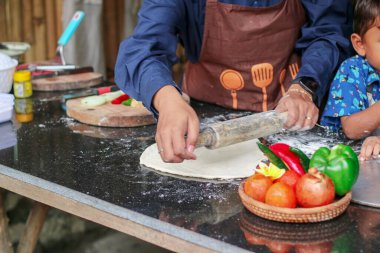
x: 109, y: 115
x: 68, y: 82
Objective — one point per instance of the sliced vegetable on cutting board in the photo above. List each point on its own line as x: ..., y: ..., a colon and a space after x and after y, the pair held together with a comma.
x: 120, y: 99
x: 109, y: 96
x: 93, y: 101
x: 130, y: 113
x: 96, y: 100
x: 136, y: 104
x: 98, y: 112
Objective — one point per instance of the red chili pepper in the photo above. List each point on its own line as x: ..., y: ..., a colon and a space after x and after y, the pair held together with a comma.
x: 293, y: 162
x: 120, y: 99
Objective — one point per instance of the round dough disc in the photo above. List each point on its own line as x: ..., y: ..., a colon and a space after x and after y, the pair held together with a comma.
x: 234, y: 161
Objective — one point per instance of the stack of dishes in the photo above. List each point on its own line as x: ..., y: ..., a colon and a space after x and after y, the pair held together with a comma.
x: 6, y: 107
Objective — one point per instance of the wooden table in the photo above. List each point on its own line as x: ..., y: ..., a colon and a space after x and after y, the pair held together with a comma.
x: 94, y: 173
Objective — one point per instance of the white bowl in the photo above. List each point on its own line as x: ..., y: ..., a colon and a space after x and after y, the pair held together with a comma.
x: 6, y: 76
x: 7, y: 69
x: 14, y: 49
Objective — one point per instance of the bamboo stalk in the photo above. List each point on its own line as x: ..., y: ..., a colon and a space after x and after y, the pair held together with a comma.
x: 39, y: 23
x: 3, y: 21
x: 110, y: 34
x: 120, y: 13
x: 58, y: 21
x: 27, y: 28
x: 15, y: 20
x: 50, y: 28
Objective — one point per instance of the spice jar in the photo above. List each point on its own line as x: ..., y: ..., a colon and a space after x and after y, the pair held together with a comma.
x: 22, y: 86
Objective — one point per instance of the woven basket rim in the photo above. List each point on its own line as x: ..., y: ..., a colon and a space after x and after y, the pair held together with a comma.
x: 249, y: 201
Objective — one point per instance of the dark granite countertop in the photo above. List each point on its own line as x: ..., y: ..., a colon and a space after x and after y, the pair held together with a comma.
x: 103, y: 163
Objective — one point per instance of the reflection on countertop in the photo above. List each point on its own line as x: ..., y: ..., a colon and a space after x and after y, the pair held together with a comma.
x: 104, y: 164
x: 8, y: 136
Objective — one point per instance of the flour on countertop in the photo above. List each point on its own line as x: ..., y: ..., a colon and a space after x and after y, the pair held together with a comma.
x: 310, y: 141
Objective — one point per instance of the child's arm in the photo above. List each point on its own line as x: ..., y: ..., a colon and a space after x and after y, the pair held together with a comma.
x: 370, y: 148
x: 362, y: 123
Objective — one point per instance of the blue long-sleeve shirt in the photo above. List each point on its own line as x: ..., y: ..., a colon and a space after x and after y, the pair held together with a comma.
x: 145, y: 59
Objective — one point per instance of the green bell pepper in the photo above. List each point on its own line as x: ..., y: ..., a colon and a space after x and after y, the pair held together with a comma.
x: 340, y: 163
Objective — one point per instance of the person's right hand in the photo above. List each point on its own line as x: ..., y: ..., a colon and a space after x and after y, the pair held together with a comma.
x: 176, y: 121
x: 370, y: 148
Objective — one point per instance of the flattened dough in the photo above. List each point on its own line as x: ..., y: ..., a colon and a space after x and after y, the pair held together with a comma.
x: 234, y: 161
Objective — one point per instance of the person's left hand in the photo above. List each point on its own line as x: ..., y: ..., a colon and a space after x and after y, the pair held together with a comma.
x: 302, y: 112
x: 370, y: 148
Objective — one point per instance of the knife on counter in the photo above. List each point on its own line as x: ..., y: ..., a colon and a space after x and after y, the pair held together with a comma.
x: 86, y: 93
x: 47, y: 71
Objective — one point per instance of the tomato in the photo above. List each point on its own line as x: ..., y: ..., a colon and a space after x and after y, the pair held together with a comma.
x: 290, y: 178
x: 281, y: 195
x: 256, y: 186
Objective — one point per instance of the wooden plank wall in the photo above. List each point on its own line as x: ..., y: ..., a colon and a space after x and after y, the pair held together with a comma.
x: 115, y: 24
x: 39, y: 23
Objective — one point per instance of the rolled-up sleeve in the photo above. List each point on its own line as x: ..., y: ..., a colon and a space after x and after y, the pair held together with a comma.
x: 145, y: 59
x: 324, y: 41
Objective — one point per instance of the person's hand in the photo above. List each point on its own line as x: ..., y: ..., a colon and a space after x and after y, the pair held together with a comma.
x: 302, y: 112
x: 176, y: 121
x: 370, y: 148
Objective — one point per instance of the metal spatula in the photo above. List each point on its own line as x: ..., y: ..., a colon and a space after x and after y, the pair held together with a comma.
x: 66, y: 35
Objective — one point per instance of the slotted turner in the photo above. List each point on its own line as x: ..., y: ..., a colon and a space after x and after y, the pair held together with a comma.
x: 262, y: 77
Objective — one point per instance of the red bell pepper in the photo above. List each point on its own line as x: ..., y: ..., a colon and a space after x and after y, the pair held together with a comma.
x: 291, y: 160
x: 120, y: 99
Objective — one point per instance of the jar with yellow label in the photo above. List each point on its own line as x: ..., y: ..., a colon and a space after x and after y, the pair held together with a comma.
x: 22, y: 86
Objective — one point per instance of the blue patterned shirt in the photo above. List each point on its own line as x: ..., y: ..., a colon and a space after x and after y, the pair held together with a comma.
x: 348, y: 91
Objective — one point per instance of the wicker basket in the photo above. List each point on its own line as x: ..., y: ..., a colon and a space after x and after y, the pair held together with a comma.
x: 300, y: 233
x: 295, y: 215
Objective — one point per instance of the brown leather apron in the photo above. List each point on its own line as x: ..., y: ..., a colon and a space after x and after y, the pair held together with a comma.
x: 247, y: 60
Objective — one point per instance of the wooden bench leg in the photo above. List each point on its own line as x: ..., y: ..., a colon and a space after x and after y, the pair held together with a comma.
x: 33, y: 228
x: 5, y: 241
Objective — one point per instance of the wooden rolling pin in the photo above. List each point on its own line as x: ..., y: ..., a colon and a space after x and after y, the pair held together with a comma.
x: 246, y: 128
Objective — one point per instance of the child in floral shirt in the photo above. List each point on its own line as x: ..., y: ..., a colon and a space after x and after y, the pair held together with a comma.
x: 354, y: 94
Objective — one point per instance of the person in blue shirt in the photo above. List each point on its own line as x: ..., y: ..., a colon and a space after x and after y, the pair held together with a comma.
x: 252, y: 55
x: 352, y: 103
